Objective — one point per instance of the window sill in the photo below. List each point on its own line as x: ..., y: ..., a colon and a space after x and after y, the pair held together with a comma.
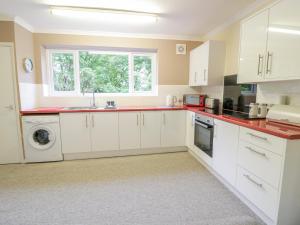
x: 152, y: 94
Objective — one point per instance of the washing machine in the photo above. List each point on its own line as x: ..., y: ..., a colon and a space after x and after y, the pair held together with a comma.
x: 41, y: 136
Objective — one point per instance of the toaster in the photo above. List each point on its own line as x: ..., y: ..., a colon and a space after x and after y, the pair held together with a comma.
x: 212, y: 103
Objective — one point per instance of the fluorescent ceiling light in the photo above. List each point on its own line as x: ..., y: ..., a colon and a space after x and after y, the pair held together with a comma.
x: 284, y: 30
x: 105, y: 15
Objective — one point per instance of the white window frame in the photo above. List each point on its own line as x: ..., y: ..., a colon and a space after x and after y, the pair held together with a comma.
x: 77, y: 92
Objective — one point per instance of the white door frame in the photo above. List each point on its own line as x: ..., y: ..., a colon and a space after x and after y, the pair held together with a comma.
x: 16, y: 99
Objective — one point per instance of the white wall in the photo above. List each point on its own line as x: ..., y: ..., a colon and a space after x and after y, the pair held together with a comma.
x: 28, y: 93
x: 270, y: 92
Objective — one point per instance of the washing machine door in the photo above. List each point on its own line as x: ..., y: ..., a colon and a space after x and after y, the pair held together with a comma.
x: 41, y: 137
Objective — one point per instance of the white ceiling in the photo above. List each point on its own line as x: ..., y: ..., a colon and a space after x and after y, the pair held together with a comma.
x: 186, y: 18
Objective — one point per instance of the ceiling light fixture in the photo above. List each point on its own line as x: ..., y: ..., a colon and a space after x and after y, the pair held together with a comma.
x: 105, y: 15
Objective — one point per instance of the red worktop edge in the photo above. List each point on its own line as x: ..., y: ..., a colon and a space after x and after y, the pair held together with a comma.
x: 282, y: 131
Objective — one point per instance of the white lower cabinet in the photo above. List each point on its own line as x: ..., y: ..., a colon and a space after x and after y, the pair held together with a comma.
x: 173, y: 128
x: 190, y: 129
x: 225, y: 150
x: 265, y: 164
x: 75, y: 132
x: 264, y: 196
x: 150, y: 129
x: 104, y: 131
x: 129, y: 130
x: 109, y: 131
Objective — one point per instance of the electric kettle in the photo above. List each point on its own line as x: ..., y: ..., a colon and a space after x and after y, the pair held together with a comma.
x: 171, y: 100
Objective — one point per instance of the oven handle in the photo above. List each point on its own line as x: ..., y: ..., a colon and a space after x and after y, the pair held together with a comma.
x: 202, y: 124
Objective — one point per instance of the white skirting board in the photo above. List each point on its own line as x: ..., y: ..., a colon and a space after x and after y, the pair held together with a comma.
x: 131, y: 152
x: 257, y: 211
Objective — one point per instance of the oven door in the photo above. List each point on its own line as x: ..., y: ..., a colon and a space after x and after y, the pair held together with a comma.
x: 204, y: 137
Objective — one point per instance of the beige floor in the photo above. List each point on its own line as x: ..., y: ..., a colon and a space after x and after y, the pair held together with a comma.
x: 163, y: 189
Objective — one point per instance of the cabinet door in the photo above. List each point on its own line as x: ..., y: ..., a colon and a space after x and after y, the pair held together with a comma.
x: 173, y: 128
x: 150, y: 129
x: 253, y: 48
x: 105, y: 131
x: 75, y: 132
x: 284, y: 41
x: 203, y: 64
x: 193, y: 68
x: 190, y: 129
x: 225, y: 150
x: 129, y: 130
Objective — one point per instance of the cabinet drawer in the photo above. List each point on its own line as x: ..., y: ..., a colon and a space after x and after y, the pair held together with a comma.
x: 258, y: 192
x: 261, y: 162
x: 263, y: 140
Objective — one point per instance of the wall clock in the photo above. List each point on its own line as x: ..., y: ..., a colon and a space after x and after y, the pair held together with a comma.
x: 28, y: 65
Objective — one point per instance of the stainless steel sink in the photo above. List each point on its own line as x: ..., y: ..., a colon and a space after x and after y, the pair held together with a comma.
x: 80, y: 108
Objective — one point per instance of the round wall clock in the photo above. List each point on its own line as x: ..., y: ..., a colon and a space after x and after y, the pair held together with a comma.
x: 28, y: 65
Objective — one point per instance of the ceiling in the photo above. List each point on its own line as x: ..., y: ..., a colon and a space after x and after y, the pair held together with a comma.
x: 189, y: 18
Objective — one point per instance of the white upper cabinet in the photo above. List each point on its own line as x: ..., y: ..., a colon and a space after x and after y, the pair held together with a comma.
x: 150, y: 129
x: 225, y: 150
x: 75, y: 132
x: 129, y: 130
x: 284, y: 41
x: 104, y: 131
x: 173, y: 128
x: 269, y: 45
x: 253, y: 48
x: 207, y: 64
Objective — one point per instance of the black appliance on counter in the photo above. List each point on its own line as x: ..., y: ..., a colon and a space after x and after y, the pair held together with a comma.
x: 237, y: 97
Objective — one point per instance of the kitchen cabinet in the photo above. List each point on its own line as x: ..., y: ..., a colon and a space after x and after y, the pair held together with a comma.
x: 190, y: 129
x: 283, y: 41
x: 104, y: 131
x: 207, y: 64
x: 253, y: 48
x: 129, y: 130
x: 225, y: 150
x: 75, y: 132
x: 270, y: 43
x: 173, y: 128
x: 150, y: 129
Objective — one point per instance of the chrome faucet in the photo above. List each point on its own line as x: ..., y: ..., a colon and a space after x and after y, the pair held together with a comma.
x: 93, y: 103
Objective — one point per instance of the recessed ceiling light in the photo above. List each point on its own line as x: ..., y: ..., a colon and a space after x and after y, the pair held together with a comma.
x: 105, y: 15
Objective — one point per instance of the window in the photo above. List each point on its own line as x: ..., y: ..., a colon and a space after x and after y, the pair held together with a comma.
x: 77, y: 72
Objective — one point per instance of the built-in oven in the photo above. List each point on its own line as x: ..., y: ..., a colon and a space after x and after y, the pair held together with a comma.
x: 204, y: 133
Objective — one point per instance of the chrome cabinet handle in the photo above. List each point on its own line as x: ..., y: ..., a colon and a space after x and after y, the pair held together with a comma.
x: 143, y: 119
x: 204, y: 75
x: 259, y: 137
x: 195, y: 77
x: 137, y: 119
x: 9, y: 107
x: 86, y: 121
x: 257, y: 152
x: 93, y: 121
x: 253, y: 181
x: 259, y: 70
x: 269, y: 63
x: 164, y: 118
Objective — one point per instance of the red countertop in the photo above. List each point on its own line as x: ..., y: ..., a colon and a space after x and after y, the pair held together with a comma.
x: 279, y: 130
x: 56, y: 110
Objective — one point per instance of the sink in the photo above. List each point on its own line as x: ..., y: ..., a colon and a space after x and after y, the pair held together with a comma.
x: 80, y: 108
